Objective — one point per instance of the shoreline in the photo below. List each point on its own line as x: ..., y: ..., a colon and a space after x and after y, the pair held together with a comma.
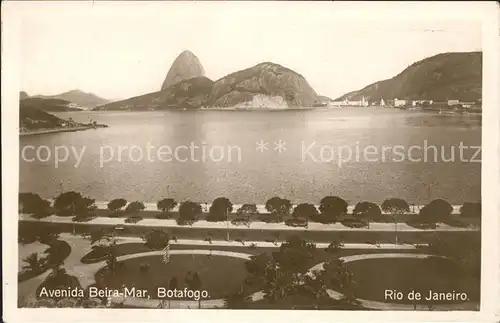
x: 56, y: 130
x: 257, y: 109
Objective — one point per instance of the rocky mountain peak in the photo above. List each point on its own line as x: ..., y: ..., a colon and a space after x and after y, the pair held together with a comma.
x: 184, y: 67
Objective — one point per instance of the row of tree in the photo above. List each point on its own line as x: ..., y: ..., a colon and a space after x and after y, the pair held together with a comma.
x: 329, y: 210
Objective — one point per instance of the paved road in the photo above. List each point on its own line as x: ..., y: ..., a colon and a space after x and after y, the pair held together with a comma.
x: 257, y: 225
x: 257, y: 244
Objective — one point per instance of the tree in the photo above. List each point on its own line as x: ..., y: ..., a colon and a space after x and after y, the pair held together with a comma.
x: 247, y: 210
x: 73, y: 203
x: 257, y: 264
x: 34, y: 263
x: 396, y: 207
x: 278, y: 206
x: 188, y: 213
x: 279, y: 283
x: 306, y: 211
x: 219, y: 210
x: 333, y: 273
x: 33, y: 204
x: 315, y: 286
x: 85, y: 205
x: 117, y: 204
x: 135, y: 207
x: 65, y: 203
x: 331, y: 207
x: 156, y: 239
x: 113, y: 265
x: 166, y: 205
x: 436, y: 211
x: 295, y: 255
x: 367, y: 210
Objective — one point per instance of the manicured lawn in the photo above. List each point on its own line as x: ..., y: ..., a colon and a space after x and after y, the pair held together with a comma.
x: 219, y: 275
x: 374, y: 276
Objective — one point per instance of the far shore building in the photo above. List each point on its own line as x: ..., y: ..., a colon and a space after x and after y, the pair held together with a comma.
x: 468, y: 104
x: 453, y: 102
x: 399, y: 103
x: 417, y: 103
x: 336, y: 104
x: 348, y: 103
x: 382, y: 102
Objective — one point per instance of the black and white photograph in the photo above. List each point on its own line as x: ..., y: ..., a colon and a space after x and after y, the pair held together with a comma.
x: 247, y: 156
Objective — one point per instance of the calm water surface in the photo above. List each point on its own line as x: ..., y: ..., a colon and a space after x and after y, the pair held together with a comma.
x: 294, y: 173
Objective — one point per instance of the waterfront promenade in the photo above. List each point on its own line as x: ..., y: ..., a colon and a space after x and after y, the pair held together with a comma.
x: 256, y: 225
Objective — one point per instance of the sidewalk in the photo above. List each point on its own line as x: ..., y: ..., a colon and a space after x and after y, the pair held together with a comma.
x: 256, y: 244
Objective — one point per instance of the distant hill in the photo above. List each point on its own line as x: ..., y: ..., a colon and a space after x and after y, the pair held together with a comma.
x: 187, y: 94
x: 186, y: 66
x: 23, y: 95
x: 31, y: 117
x: 266, y: 85
x: 325, y: 99
x: 440, y: 77
x: 82, y: 99
x: 49, y: 105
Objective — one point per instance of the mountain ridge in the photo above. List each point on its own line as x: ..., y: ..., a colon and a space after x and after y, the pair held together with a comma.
x: 456, y: 75
x: 278, y: 86
x: 79, y: 97
x: 187, y: 94
x: 48, y: 104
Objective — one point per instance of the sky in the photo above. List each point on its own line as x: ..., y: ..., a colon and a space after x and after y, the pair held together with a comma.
x: 122, y: 50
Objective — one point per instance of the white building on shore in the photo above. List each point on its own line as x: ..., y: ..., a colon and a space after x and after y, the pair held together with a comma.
x: 348, y: 103
x: 399, y: 103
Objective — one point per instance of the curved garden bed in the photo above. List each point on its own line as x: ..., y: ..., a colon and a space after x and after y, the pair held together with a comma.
x: 100, y: 254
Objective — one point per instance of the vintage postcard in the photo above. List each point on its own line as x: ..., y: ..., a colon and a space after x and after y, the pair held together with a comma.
x: 201, y: 160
